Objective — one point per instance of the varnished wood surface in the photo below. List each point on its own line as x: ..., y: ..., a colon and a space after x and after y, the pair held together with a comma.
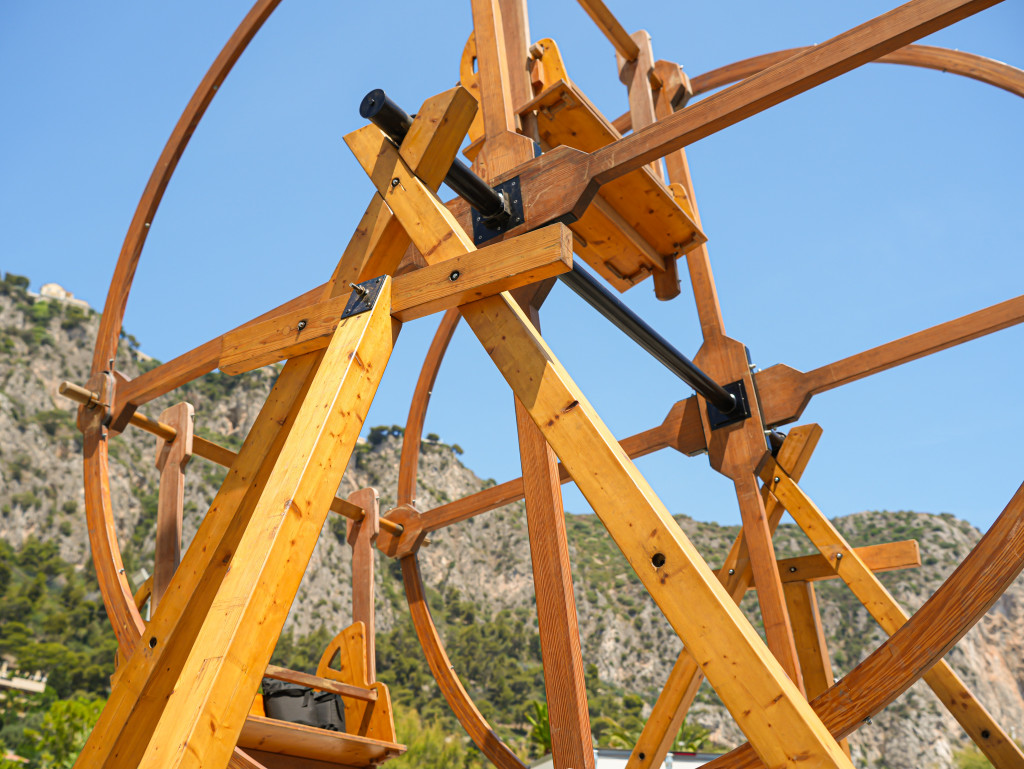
x: 612, y: 29
x: 969, y: 592
x: 361, y: 536
x: 128, y: 259
x: 496, y: 751
x: 891, y: 556
x: 300, y: 741
x: 979, y: 724
x: 781, y: 81
x: 317, y: 682
x: 171, y: 459
x: 409, y: 461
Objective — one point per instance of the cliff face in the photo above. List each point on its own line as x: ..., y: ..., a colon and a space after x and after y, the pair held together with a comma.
x: 485, y: 560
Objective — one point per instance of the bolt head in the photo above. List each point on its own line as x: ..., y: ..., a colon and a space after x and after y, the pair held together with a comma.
x: 454, y: 276
x: 394, y: 182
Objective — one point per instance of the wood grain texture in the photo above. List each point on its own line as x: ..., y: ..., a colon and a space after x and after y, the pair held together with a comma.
x: 997, y: 746
x: 685, y: 678
x: 171, y: 459
x: 786, y: 391
x: 448, y: 682
x: 410, y: 456
x: 781, y: 81
x: 323, y: 684
x: 605, y: 20
x: 362, y: 537
x: 268, y: 735
x: 890, y: 556
x: 970, y: 591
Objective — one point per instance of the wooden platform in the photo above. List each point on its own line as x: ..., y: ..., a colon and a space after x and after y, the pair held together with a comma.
x: 282, y: 744
x: 634, y: 226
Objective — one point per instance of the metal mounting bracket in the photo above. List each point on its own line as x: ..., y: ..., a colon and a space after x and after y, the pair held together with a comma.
x: 364, y: 297
x: 718, y: 419
x: 511, y: 193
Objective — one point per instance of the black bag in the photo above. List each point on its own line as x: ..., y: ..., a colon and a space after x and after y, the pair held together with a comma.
x: 301, y: 705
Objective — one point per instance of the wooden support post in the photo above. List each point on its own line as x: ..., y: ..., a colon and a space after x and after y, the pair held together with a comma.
x: 189, y: 709
x: 810, y: 641
x: 997, y: 746
x: 686, y: 676
x: 766, y: 705
x: 171, y: 459
x: 362, y: 538
x: 564, y: 684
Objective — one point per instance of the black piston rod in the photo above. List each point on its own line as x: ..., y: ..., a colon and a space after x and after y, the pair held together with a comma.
x: 394, y: 122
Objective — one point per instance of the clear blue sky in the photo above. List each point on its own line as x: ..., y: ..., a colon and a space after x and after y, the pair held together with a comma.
x: 872, y: 207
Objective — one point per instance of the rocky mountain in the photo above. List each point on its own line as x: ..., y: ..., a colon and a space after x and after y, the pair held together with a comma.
x: 484, y: 561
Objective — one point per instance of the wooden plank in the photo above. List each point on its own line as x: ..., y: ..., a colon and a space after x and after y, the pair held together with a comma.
x: 531, y: 257
x: 786, y: 391
x: 605, y: 20
x: 171, y: 459
x: 962, y: 705
x: 684, y: 680
x: 337, y: 748
x: 197, y: 579
x: 890, y: 556
x: 766, y: 705
x: 782, y: 81
x: 802, y: 605
x: 963, y: 599
x: 564, y: 685
x: 636, y: 74
x: 237, y: 634
x: 317, y: 682
x: 361, y: 537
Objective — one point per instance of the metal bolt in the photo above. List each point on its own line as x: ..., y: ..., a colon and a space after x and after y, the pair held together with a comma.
x: 731, y: 572
x: 454, y: 276
x: 361, y: 290
x: 777, y: 479
x: 839, y: 556
x: 394, y: 182
x: 792, y: 569
x: 301, y: 325
x: 867, y: 720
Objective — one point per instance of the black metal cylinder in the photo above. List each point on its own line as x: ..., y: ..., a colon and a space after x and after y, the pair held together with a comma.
x: 609, y: 305
x: 393, y: 121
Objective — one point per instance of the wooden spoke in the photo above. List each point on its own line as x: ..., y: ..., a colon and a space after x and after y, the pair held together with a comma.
x: 785, y: 392
x: 998, y: 746
x: 605, y: 20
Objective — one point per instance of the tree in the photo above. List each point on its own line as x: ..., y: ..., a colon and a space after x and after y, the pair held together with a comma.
x: 64, y: 730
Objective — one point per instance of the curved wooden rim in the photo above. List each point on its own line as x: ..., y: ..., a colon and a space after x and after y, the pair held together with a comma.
x: 106, y: 554
x: 455, y: 693
x: 930, y: 57
x: 409, y: 458
x: 968, y: 593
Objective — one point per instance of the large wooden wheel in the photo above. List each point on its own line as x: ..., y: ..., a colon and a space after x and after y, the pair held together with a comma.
x: 315, y: 411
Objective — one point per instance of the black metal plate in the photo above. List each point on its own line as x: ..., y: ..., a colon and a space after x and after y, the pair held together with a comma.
x: 511, y: 191
x: 363, y: 301
x: 742, y: 411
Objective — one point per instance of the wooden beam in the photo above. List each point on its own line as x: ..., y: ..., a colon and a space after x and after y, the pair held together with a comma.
x: 891, y: 556
x: 362, y: 537
x: 605, y: 20
x: 508, y: 264
x: 171, y: 459
x: 782, y: 81
x: 802, y: 605
x: 323, y: 684
x: 762, y: 699
x: 998, y: 747
x: 684, y: 680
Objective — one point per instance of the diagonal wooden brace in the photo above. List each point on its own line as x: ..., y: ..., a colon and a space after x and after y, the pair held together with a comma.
x: 767, y: 706
x: 185, y: 693
x: 962, y: 705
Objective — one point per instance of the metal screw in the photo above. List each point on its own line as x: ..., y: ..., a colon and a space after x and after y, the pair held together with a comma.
x: 792, y: 569
x: 454, y: 276
x: 301, y: 325
x: 731, y: 572
x: 394, y: 182
x: 867, y: 720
